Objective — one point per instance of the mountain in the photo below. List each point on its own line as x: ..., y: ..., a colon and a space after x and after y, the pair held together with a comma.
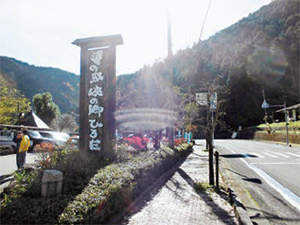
x: 258, y: 53
x: 31, y: 80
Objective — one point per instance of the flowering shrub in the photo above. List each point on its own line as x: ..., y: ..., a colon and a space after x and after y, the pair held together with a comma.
x: 179, y: 141
x: 44, y: 152
x: 137, y: 142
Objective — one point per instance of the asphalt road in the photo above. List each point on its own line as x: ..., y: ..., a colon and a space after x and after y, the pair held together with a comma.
x: 8, y: 165
x: 270, y: 173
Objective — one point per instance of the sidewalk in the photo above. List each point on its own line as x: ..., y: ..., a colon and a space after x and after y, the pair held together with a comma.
x: 172, y: 199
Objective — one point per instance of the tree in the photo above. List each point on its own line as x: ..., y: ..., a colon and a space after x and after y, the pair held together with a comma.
x: 45, y: 108
x: 191, y: 114
x: 12, y: 103
x: 210, y: 117
x: 65, y: 122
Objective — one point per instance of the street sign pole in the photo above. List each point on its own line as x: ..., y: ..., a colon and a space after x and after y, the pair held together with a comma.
x: 265, y: 105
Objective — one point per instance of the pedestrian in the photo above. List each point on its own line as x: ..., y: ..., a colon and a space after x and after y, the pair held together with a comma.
x: 24, y: 146
x: 17, y: 139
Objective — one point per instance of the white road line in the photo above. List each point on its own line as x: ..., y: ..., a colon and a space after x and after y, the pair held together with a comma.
x: 270, y: 155
x: 293, y: 154
x: 284, y: 192
x: 280, y: 154
x: 277, y: 163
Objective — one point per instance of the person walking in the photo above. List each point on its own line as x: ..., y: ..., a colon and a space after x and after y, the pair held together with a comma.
x: 17, y: 139
x: 24, y: 146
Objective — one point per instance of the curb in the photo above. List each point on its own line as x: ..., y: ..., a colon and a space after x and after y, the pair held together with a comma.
x: 235, y: 189
x: 138, y: 201
x: 239, y: 209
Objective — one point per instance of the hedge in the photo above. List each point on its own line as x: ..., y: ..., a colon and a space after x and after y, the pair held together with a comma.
x: 115, y: 186
x: 93, y: 189
x: 273, y: 132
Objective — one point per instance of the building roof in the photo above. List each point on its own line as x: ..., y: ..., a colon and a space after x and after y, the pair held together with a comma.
x: 99, y: 41
x: 31, y: 119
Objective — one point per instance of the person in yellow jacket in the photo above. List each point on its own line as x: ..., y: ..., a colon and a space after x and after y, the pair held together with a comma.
x: 24, y: 146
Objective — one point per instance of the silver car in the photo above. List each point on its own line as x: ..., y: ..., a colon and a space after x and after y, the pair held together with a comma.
x: 58, y: 139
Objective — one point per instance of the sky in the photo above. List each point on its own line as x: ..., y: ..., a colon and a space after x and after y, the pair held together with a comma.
x: 41, y: 32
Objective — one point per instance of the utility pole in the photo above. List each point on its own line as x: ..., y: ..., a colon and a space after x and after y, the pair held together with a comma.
x: 210, y: 141
x: 170, y: 76
x: 207, y: 10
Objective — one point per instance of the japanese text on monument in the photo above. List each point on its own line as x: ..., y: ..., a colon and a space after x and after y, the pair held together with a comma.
x: 95, y: 94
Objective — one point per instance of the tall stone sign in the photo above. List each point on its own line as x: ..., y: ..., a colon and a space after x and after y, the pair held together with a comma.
x: 98, y: 93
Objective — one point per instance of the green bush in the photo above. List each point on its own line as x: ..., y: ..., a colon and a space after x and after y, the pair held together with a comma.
x: 23, y: 204
x: 273, y: 132
x: 93, y: 189
x: 115, y: 186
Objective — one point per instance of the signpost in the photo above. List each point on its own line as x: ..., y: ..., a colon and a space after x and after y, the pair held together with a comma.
x: 209, y: 100
x: 98, y: 93
x: 265, y: 105
x: 201, y: 98
x: 213, y: 101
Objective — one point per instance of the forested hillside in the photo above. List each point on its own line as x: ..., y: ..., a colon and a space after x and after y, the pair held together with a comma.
x: 31, y: 80
x: 260, y: 52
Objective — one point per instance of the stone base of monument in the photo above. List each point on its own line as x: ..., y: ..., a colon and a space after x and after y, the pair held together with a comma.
x: 52, y: 183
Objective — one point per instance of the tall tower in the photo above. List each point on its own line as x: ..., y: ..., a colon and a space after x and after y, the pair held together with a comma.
x: 170, y: 53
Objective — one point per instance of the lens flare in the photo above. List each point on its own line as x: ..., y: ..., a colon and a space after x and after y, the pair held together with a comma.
x: 147, y: 119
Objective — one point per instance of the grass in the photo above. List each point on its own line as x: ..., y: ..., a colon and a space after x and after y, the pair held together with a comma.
x: 205, y: 187
x: 280, y: 125
x: 273, y: 132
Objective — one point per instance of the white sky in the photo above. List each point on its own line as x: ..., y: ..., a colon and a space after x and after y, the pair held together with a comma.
x: 40, y: 32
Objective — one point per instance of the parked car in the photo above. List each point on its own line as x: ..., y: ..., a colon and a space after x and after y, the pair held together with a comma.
x: 58, y: 139
x: 36, y: 139
x: 6, y: 138
x: 73, y: 142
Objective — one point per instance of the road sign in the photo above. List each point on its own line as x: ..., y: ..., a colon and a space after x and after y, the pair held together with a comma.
x: 201, y: 98
x: 265, y: 105
x: 213, y: 100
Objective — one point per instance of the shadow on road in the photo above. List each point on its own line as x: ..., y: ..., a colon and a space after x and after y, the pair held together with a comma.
x: 245, y: 178
x: 274, y: 218
x: 147, y: 195
x: 221, y: 213
x: 238, y: 156
x: 5, y: 178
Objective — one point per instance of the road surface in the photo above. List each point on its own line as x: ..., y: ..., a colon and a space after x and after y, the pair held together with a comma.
x: 271, y: 174
x: 8, y: 165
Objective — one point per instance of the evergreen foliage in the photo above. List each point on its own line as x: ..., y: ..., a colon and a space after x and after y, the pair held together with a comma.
x: 32, y: 80
x: 12, y: 103
x: 45, y: 108
x: 258, y: 52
